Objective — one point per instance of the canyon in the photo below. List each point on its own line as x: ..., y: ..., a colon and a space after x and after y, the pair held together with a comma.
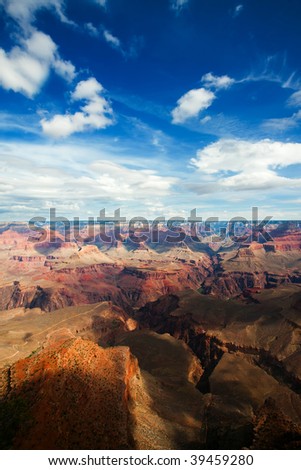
x: 177, y: 345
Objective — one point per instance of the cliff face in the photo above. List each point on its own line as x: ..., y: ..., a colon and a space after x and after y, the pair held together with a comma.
x: 287, y: 242
x: 274, y: 430
x: 232, y: 284
x: 139, y: 286
x: 126, y: 287
x: 61, y: 274
x: 248, y: 353
x: 71, y: 395
x: 47, y: 299
x: 206, y: 324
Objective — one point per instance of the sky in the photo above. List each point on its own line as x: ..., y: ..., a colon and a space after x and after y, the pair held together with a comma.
x: 156, y: 107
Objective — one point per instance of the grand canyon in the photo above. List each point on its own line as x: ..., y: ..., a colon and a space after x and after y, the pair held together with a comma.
x: 150, y: 345
x: 150, y: 232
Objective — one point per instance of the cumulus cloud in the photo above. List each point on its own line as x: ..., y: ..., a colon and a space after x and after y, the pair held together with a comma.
x: 197, y: 100
x: 213, y: 81
x: 95, y: 114
x: 26, y: 67
x: 64, y: 68
x: 244, y: 165
x: 191, y: 104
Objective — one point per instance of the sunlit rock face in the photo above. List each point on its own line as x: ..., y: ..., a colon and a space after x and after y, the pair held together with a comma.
x: 73, y: 394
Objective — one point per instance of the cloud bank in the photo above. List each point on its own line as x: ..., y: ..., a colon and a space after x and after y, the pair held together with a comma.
x: 66, y: 177
x: 243, y: 165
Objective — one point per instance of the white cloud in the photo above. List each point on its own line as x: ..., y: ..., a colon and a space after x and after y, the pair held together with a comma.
x: 95, y: 114
x: 23, y: 11
x: 237, y: 10
x: 191, y: 104
x: 67, y: 176
x: 130, y: 51
x: 213, y: 81
x: 91, y: 29
x: 197, y: 100
x: 178, y: 4
x: 102, y: 3
x: 26, y: 67
x: 61, y: 206
x: 24, y: 122
x: 285, y: 123
x: 245, y: 165
x: 65, y: 69
x: 113, y: 40
x: 292, y: 82
x: 121, y: 182
x: 21, y: 72
x: 41, y: 46
x: 87, y: 89
x: 205, y: 120
x: 282, y: 124
x: 295, y: 99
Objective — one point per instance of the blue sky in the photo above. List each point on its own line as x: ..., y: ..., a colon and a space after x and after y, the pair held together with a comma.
x: 156, y: 107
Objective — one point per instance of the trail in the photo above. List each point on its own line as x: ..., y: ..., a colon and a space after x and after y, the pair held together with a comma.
x: 67, y: 319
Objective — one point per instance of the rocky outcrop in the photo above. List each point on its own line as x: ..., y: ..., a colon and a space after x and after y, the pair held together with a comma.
x: 72, y: 394
x: 93, y: 269
x: 247, y: 355
x: 287, y: 242
x: 210, y: 330
x: 36, y: 413
x: 232, y: 284
x: 73, y: 274
x: 28, y: 259
x: 147, y: 274
x: 273, y: 430
x: 127, y: 287
x: 47, y: 299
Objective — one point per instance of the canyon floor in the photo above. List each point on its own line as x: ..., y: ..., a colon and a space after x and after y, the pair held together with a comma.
x: 150, y: 345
